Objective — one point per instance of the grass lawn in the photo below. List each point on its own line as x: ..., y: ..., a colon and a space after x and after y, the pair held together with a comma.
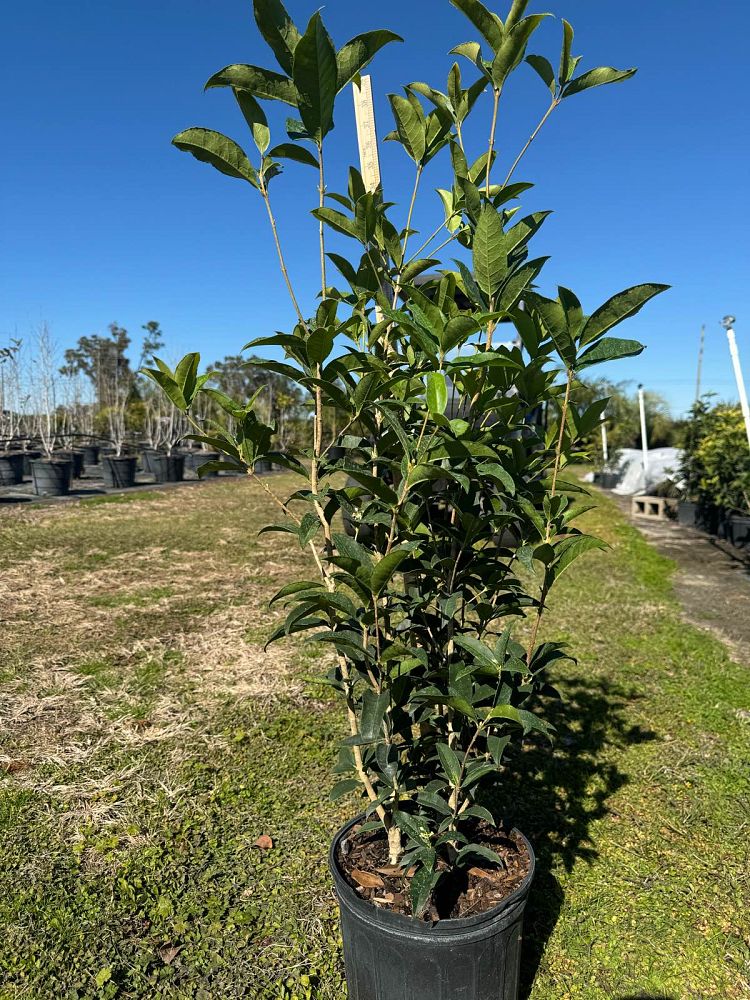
x: 147, y: 741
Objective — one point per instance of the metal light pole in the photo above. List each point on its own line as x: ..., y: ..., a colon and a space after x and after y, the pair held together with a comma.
x: 700, y: 364
x: 728, y: 324
x: 605, y: 447
x: 644, y: 436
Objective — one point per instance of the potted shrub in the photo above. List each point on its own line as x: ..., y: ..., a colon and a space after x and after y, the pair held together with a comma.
x: 434, y: 622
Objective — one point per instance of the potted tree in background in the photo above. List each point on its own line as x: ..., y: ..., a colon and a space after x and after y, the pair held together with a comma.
x: 11, y: 460
x: 433, y: 618
x: 51, y: 475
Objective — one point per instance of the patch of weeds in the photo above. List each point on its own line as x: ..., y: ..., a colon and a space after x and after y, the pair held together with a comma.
x: 119, y: 498
x: 139, y: 599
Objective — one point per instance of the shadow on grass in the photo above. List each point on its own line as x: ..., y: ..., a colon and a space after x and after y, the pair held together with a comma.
x: 554, y: 797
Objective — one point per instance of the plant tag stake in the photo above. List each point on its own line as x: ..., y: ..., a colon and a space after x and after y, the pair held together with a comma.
x: 367, y: 140
x: 367, y: 136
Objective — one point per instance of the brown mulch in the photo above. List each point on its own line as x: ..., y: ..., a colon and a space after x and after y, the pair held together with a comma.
x: 363, y: 861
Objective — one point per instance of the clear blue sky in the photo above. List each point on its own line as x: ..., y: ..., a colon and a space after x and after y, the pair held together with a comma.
x: 102, y: 220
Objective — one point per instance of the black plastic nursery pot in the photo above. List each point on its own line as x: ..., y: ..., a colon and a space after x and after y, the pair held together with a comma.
x: 389, y: 956
x: 71, y: 455
x: 262, y: 466
x: 11, y: 468
x: 28, y: 458
x: 118, y: 471
x: 200, y: 458
x: 687, y: 513
x: 739, y: 530
x: 169, y: 468
x: 148, y: 457
x: 90, y: 454
x: 51, y: 477
x: 606, y: 480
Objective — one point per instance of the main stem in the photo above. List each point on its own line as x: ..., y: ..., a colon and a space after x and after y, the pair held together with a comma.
x: 491, y: 147
x: 553, y: 492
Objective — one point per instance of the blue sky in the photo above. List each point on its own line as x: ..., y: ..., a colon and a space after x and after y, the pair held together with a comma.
x: 102, y: 220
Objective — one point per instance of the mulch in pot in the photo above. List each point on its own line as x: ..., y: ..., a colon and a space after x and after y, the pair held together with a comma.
x: 363, y: 861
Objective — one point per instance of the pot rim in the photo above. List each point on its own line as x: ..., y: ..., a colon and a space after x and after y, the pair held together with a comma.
x: 406, y: 923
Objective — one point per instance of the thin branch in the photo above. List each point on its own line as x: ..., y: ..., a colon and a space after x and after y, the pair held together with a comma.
x: 531, y: 138
x: 491, y: 147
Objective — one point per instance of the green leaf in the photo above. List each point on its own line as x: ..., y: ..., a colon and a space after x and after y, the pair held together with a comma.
x: 353, y: 57
x: 597, y: 78
x: 344, y: 787
x: 186, y: 374
x: 278, y: 29
x: 490, y: 257
x: 374, y: 707
x: 168, y: 386
x: 487, y: 23
x: 478, y: 851
x: 374, y: 485
x: 340, y: 222
x: 384, y: 570
x: 309, y: 527
x: 569, y: 549
x: 262, y: 83
x: 565, y: 67
x: 319, y: 345
x: 481, y: 653
x: 291, y: 151
x: 450, y: 762
x: 410, y: 127
x: 315, y: 76
x: 437, y: 392
x: 218, y: 150
x: 424, y: 881
x: 620, y: 307
x: 255, y: 117
x: 608, y: 349
x: 511, y: 52
x: 544, y: 68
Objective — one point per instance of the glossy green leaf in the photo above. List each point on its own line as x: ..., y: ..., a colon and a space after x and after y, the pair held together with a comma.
x: 278, y: 30
x: 565, y: 67
x: 410, y: 127
x: 264, y: 83
x: 597, y: 78
x: 487, y: 23
x: 544, y: 68
x: 620, y: 307
x: 291, y: 151
x: 608, y: 349
x: 218, y: 150
x: 450, y: 762
x: 422, y: 886
x: 490, y: 257
x: 384, y: 570
x: 315, y: 78
x: 436, y: 392
x: 353, y: 57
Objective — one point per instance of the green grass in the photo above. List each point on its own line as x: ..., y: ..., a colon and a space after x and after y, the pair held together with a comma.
x: 148, y: 742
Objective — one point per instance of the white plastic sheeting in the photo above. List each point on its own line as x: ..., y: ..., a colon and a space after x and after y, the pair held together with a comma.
x: 663, y: 463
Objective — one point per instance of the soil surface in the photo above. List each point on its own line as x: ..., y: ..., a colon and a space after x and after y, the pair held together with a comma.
x: 712, y: 581
x: 364, y: 863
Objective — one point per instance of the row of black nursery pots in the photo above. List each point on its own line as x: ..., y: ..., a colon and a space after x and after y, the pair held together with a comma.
x: 389, y: 956
x: 731, y: 526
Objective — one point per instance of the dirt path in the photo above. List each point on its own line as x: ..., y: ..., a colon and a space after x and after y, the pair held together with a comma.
x: 712, y: 580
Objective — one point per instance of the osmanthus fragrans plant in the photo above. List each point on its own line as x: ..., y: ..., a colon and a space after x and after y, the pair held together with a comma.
x: 455, y: 434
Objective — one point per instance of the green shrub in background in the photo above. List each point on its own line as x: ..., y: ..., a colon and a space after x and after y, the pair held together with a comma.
x: 716, y: 461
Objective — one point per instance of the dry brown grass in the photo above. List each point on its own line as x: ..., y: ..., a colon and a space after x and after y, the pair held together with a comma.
x: 132, y: 625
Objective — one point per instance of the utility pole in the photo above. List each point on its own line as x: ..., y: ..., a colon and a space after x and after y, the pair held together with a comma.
x: 728, y: 324
x: 644, y: 436
x: 700, y: 364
